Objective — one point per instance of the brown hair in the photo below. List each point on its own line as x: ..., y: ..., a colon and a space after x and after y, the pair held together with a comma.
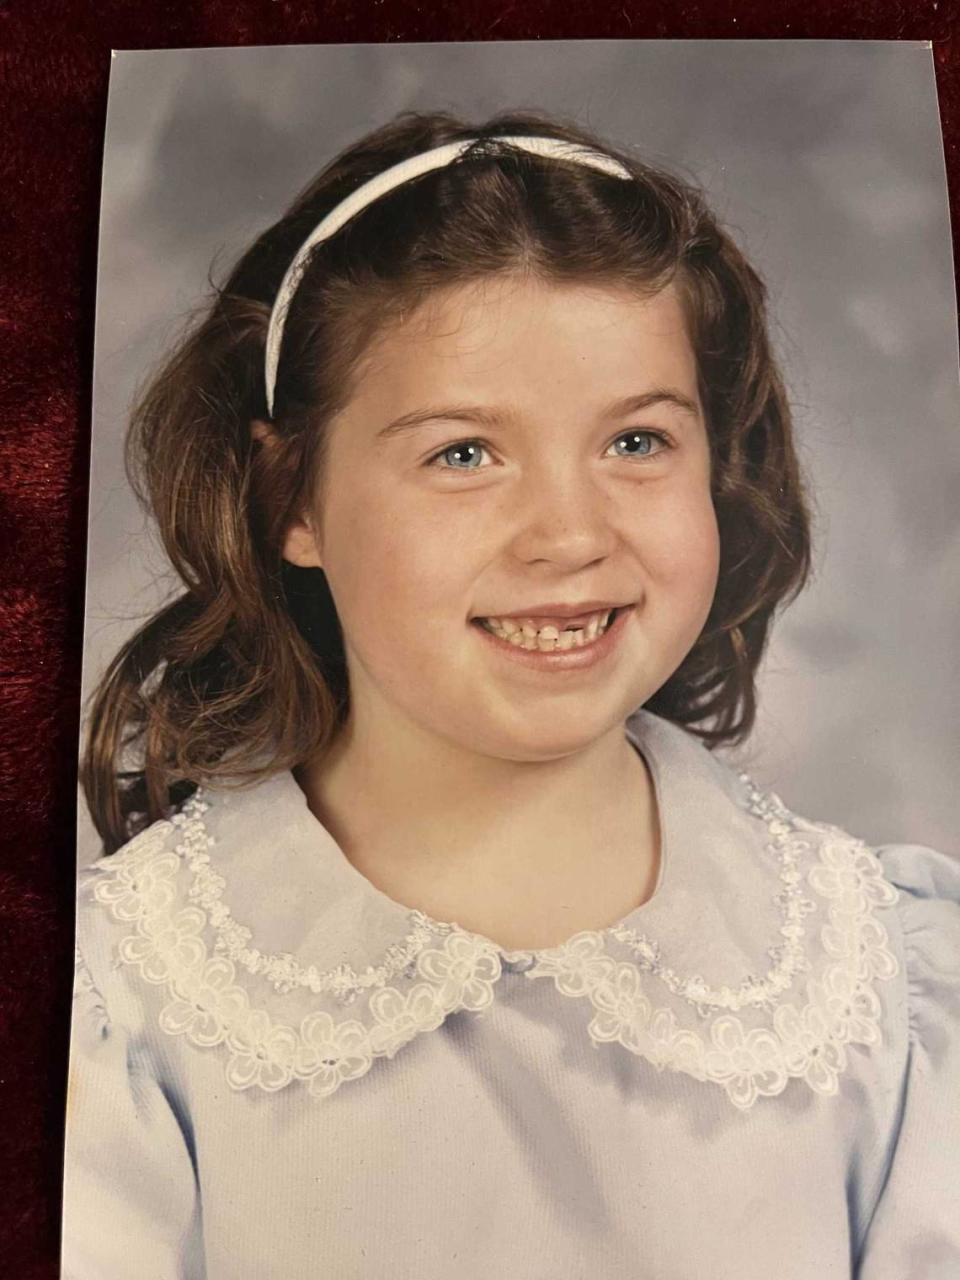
x: 243, y: 674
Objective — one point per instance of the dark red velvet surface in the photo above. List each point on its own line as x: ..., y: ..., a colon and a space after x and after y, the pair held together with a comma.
x: 55, y: 66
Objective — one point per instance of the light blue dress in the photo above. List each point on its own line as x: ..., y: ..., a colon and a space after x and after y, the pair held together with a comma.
x: 277, y: 1071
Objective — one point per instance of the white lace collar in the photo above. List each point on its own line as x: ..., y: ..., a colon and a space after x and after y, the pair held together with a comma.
x: 271, y: 945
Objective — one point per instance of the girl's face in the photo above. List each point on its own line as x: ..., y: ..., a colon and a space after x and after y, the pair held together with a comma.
x: 518, y: 450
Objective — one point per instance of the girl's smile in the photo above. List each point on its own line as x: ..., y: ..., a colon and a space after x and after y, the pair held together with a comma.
x: 557, y: 645
x: 515, y: 516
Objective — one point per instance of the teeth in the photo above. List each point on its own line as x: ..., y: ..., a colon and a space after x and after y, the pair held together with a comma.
x: 549, y: 637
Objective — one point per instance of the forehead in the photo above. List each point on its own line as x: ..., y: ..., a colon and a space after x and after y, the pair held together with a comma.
x: 513, y: 327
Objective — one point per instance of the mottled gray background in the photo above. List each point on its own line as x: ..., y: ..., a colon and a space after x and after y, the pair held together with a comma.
x: 825, y: 158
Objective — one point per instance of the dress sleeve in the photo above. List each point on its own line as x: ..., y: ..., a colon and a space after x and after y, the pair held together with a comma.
x: 915, y: 1228
x: 130, y: 1204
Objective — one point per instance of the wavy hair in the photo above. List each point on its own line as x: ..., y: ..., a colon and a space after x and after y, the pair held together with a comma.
x: 243, y: 673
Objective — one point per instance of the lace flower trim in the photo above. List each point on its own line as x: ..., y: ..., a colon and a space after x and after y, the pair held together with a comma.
x: 806, y: 1040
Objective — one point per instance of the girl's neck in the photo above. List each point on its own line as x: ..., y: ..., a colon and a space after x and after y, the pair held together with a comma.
x: 461, y: 835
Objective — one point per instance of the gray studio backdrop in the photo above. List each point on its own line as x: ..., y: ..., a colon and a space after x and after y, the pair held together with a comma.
x: 824, y: 157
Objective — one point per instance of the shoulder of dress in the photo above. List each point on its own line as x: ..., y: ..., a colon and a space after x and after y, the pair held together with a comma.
x: 921, y: 872
x: 928, y: 912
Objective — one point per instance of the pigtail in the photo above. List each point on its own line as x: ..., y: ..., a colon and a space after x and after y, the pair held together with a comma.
x: 758, y: 492
x: 221, y: 680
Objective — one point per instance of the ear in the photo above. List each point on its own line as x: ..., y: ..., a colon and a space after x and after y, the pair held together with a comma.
x: 300, y: 542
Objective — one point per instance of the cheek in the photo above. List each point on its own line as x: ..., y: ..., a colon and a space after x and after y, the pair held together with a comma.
x: 680, y: 544
x: 390, y: 559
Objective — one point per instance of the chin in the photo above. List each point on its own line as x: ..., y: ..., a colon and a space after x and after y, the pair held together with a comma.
x: 550, y: 739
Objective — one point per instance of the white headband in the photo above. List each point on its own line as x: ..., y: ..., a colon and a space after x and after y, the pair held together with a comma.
x: 393, y: 177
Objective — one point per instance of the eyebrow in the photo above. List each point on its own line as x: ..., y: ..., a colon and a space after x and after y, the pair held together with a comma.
x: 495, y: 417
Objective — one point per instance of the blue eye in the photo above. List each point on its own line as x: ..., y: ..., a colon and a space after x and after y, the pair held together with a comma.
x: 640, y: 443
x: 468, y: 453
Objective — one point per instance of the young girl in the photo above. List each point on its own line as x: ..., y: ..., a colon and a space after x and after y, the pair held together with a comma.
x: 430, y: 938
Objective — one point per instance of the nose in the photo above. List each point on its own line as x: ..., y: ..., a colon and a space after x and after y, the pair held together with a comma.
x: 562, y: 516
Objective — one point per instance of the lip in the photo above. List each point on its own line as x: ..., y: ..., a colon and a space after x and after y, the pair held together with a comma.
x: 559, y: 610
x: 557, y: 660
